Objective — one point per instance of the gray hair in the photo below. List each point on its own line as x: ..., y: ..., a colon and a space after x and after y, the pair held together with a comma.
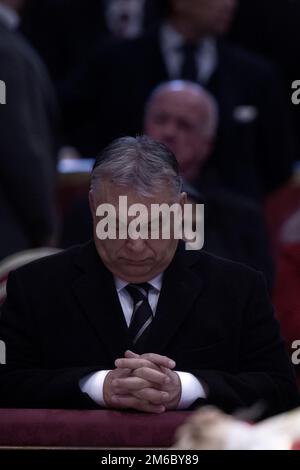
x: 140, y: 163
x: 207, y: 99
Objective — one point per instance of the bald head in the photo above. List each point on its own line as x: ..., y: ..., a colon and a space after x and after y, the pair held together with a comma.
x: 183, y: 116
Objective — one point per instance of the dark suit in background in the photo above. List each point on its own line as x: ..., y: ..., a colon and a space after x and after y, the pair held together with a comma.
x: 79, y: 26
x: 28, y: 147
x: 62, y: 320
x: 254, y: 152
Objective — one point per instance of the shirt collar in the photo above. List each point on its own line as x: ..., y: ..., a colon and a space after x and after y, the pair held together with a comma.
x: 170, y: 38
x: 9, y: 17
x: 156, y: 283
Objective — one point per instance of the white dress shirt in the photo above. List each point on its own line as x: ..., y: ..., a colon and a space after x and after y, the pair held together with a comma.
x: 9, y: 17
x: 191, y: 388
x: 171, y: 43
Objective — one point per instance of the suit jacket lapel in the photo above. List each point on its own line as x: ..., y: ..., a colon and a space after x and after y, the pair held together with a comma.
x: 98, y: 298
x: 153, y: 55
x: 181, y: 286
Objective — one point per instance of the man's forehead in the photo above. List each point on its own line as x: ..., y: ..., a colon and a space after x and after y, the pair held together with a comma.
x: 110, y: 192
x: 179, y: 103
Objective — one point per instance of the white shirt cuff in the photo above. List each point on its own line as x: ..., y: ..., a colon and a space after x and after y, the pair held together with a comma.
x: 191, y: 390
x: 92, y: 384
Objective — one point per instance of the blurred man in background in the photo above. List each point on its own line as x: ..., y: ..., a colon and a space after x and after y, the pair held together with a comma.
x: 184, y: 116
x: 253, y: 153
x: 276, y: 37
x: 28, y: 146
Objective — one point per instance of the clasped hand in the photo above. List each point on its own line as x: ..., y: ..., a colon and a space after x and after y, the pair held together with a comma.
x: 144, y: 382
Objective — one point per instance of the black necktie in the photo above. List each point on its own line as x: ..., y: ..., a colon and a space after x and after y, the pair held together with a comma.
x: 189, y: 70
x: 142, y: 313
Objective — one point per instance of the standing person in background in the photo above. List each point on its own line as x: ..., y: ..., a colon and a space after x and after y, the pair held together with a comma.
x: 28, y: 146
x: 275, y: 37
x: 253, y: 153
x: 184, y: 116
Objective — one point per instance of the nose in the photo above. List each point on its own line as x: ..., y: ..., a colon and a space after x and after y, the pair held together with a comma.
x: 136, y: 246
x: 168, y: 133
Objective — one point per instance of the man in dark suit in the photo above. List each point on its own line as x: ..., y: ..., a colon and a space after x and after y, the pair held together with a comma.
x: 276, y: 37
x: 138, y: 322
x: 253, y: 154
x: 286, y: 296
x: 28, y: 130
